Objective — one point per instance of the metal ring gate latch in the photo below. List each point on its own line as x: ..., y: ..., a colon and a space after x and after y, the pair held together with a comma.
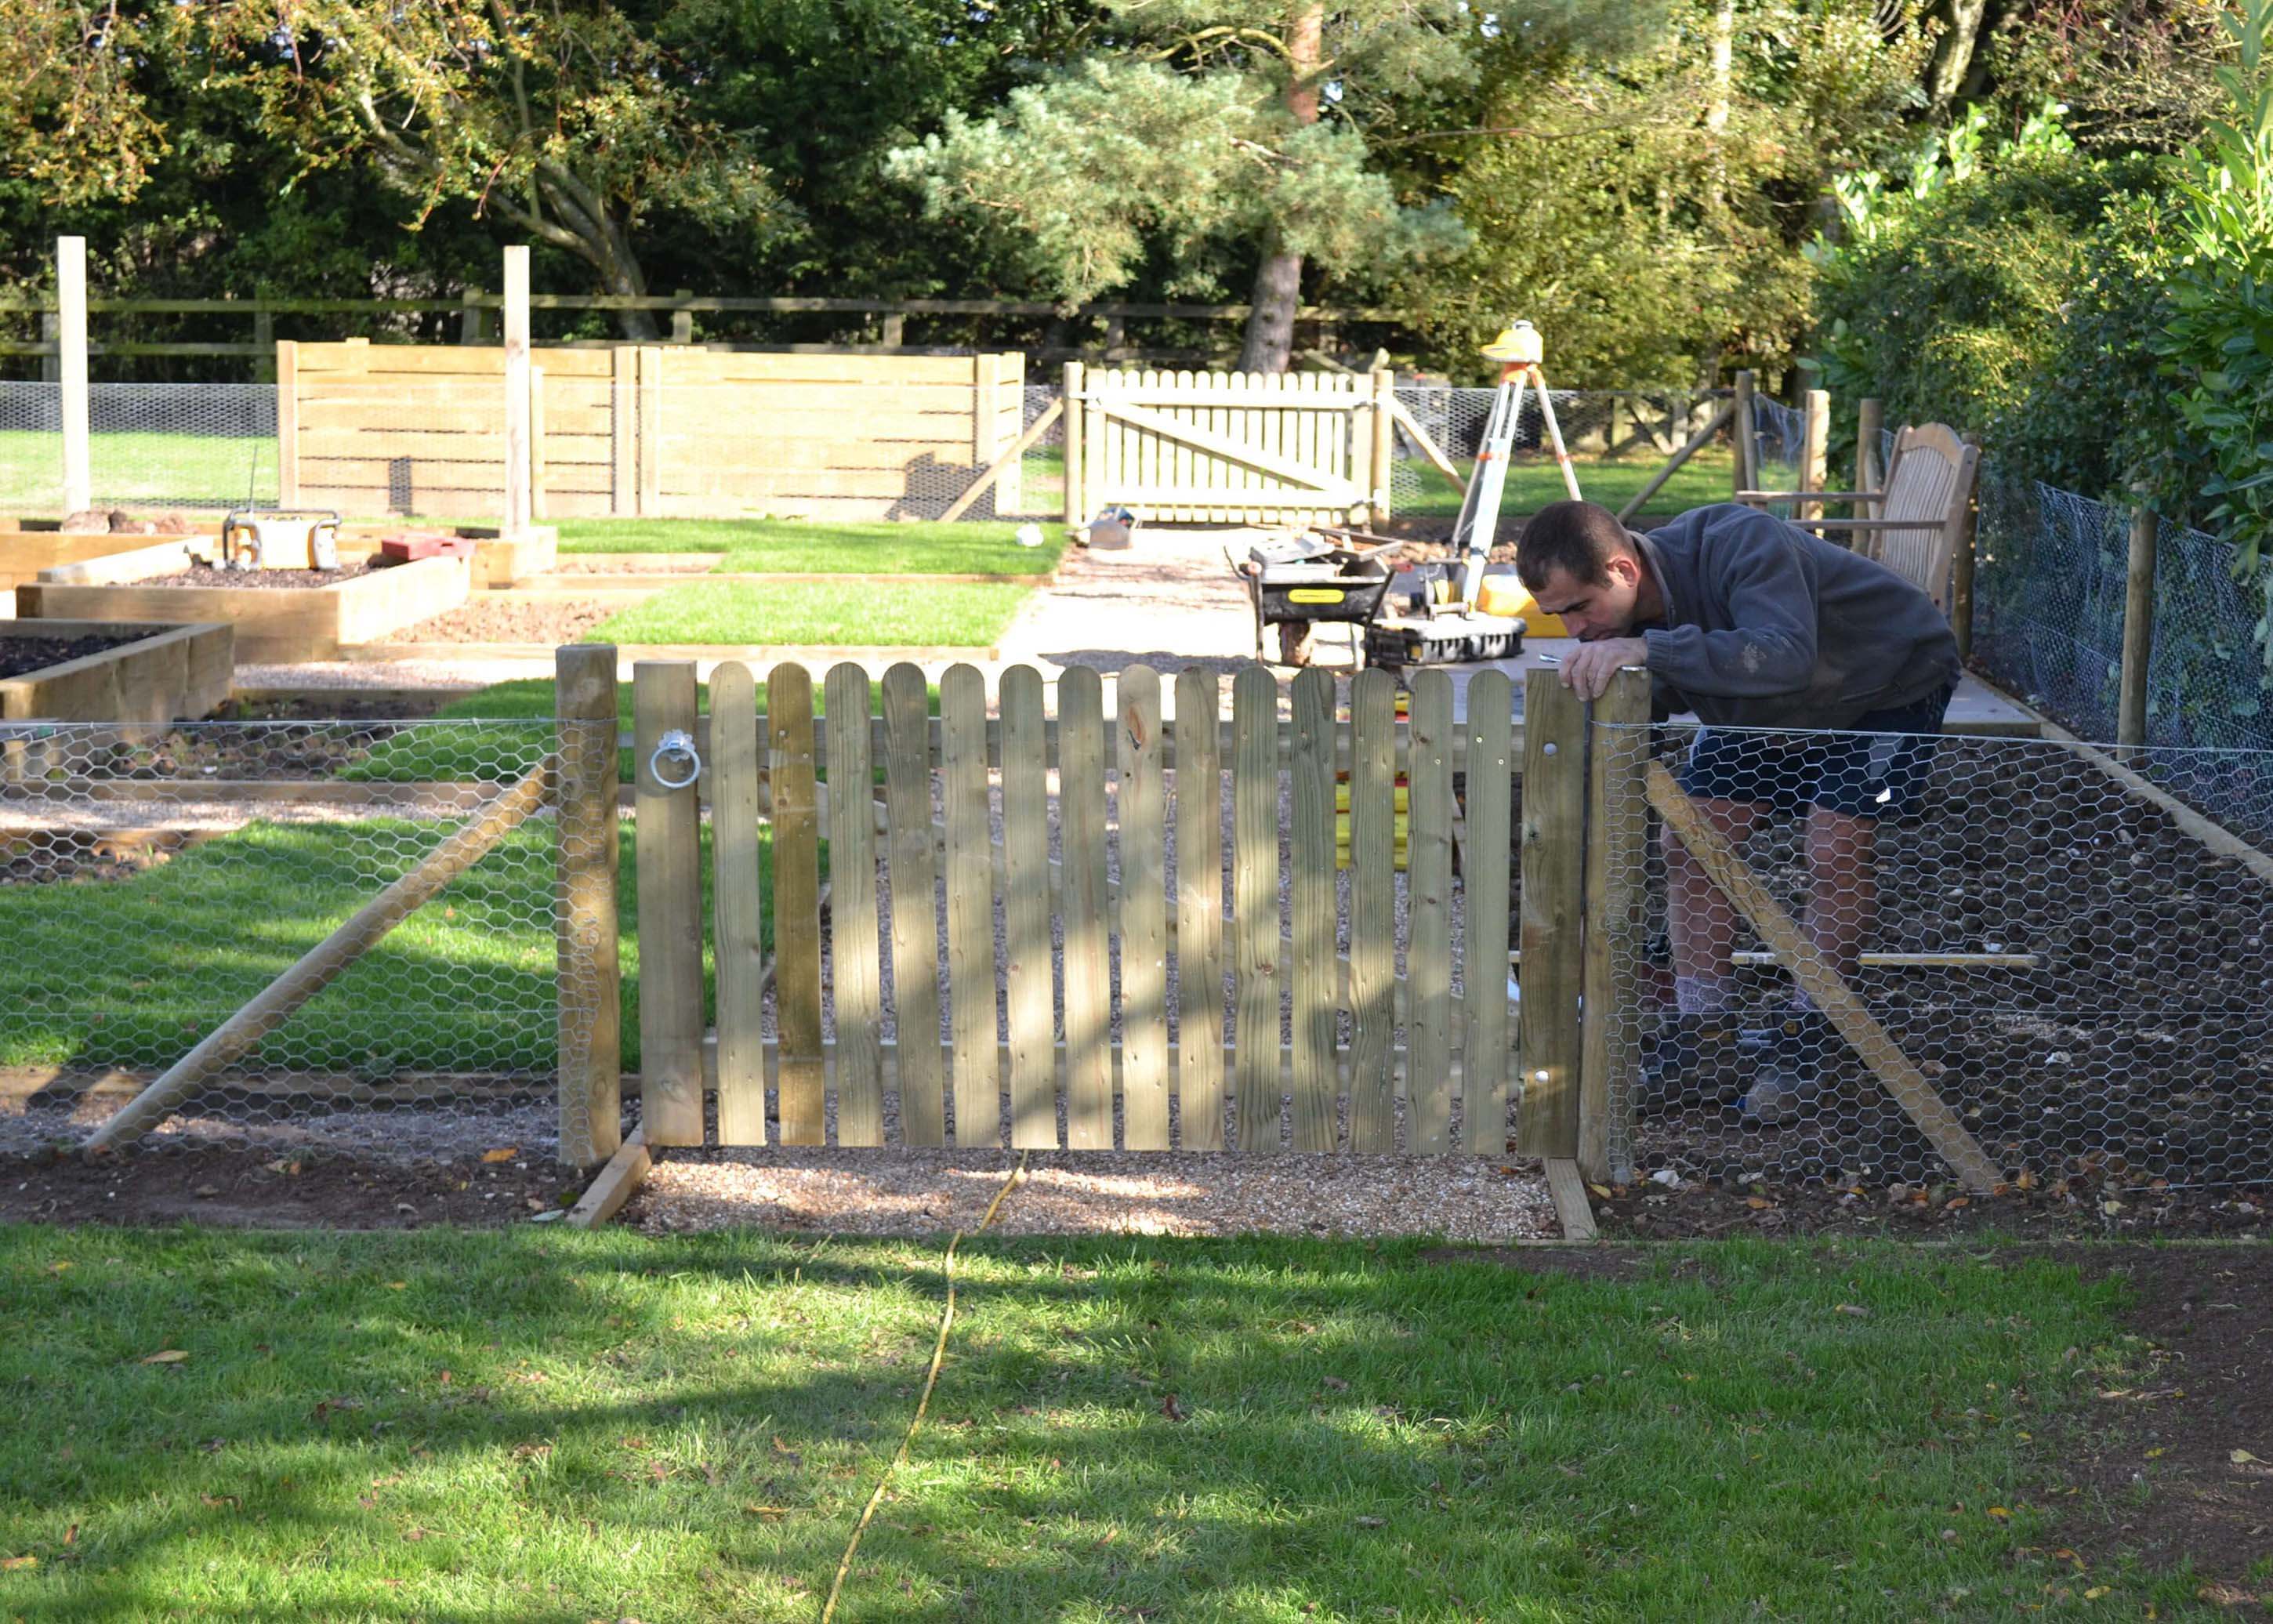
x: 679, y: 744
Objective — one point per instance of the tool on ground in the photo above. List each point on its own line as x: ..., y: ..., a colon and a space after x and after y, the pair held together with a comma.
x: 1301, y: 580
x: 278, y: 539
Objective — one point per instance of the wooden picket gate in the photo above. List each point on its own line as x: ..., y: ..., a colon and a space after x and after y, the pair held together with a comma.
x: 1228, y: 447
x: 1372, y: 1060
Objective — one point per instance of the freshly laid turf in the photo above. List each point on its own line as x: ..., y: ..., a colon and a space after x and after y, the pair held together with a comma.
x: 759, y: 546
x: 817, y: 614
x: 546, y: 1425
x: 204, y: 469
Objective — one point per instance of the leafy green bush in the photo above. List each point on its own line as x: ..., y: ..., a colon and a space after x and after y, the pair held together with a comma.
x: 2014, y: 301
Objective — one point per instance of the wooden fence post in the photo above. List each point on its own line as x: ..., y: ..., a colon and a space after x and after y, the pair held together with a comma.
x: 1070, y: 433
x: 1617, y: 843
x: 536, y: 443
x: 264, y: 335
x: 1963, y: 557
x: 590, y: 972
x: 1384, y: 447
x: 1814, y: 449
x: 2138, y: 628
x: 287, y: 424
x: 668, y: 832
x: 1554, y: 848
x: 517, y: 484
x: 1870, y: 419
x: 70, y: 340
x: 1745, y: 475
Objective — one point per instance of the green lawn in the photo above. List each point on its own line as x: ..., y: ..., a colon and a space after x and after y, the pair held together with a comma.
x: 549, y: 1426
x: 816, y: 614
x: 137, y: 970
x: 791, y: 545
x: 210, y: 470
x: 1534, y: 482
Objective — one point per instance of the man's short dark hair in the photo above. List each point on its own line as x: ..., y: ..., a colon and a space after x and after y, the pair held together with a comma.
x: 1581, y: 537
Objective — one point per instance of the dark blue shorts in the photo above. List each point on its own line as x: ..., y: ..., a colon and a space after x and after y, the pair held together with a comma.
x: 1876, y: 768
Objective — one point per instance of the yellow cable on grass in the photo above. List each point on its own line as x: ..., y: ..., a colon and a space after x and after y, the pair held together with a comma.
x: 931, y: 1381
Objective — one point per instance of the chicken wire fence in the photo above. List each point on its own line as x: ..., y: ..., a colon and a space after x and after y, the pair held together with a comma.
x: 1597, y: 425
x: 196, y: 445
x: 2079, y: 981
x: 2050, y: 597
x: 153, y: 879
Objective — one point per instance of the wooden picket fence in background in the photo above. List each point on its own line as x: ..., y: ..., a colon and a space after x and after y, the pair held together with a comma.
x: 1370, y: 1059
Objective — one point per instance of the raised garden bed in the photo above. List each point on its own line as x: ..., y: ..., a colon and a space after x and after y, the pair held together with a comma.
x: 335, y: 609
x: 108, y: 670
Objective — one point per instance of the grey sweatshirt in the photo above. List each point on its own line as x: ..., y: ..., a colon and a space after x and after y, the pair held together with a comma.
x: 1768, y: 625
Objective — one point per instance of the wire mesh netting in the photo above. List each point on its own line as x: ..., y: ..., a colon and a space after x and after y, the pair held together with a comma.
x: 153, y: 879
x: 198, y: 445
x: 2049, y: 613
x: 1602, y: 429
x: 2077, y: 979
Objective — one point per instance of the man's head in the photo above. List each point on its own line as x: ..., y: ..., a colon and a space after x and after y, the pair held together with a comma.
x: 1578, y: 562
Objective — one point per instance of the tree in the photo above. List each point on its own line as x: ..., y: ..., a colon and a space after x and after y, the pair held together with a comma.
x: 72, y: 119
x: 1645, y: 207
x: 1194, y: 130
x: 573, y: 121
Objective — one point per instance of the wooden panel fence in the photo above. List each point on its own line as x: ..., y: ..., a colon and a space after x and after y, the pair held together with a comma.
x: 1195, y: 1002
x: 644, y: 430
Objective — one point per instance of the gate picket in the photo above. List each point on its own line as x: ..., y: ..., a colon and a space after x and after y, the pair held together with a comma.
x: 855, y: 976
x: 1254, y: 903
x: 915, y: 907
x: 1143, y: 914
x: 797, y: 905
x: 1026, y: 911
x: 1428, y: 961
x: 1484, y: 875
x: 1373, y: 912
x: 670, y: 866
x: 1199, y: 914
x: 1088, y: 969
x: 1315, y: 968
x: 974, y: 1080
x: 738, y: 905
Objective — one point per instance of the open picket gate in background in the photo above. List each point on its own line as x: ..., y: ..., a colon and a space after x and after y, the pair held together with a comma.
x: 1155, y: 988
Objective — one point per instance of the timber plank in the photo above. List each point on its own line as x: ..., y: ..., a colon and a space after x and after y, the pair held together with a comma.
x: 854, y: 961
x: 1316, y: 968
x: 1088, y: 971
x: 1254, y: 903
x: 970, y: 906
x: 915, y: 904
x: 1484, y: 886
x: 1144, y: 914
x: 1199, y: 912
x: 1026, y: 911
x: 1429, y: 878
x: 801, y: 1080
x: 1373, y: 912
x: 738, y: 905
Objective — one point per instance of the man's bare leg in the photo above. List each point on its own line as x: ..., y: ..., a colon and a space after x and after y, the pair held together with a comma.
x: 1842, y: 886
x: 1702, y: 920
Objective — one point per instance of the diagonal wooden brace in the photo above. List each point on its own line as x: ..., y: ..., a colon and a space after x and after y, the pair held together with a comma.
x: 1822, y: 984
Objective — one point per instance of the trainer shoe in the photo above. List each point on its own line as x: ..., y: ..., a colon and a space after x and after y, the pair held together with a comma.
x: 1685, y: 1064
x: 1788, y: 1070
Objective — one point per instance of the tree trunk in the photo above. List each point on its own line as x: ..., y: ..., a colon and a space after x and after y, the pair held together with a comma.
x: 601, y: 243
x: 1269, y: 342
x: 1952, y: 52
x: 1716, y: 108
x: 1269, y: 346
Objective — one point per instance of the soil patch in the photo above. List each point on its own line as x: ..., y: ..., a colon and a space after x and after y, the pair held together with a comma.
x: 346, y: 705
x: 20, y: 655
x: 265, y: 581
x: 1689, y: 1208
x: 2204, y: 1398
x: 247, y: 1188
x: 500, y: 618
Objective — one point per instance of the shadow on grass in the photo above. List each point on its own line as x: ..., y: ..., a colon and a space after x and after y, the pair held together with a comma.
x: 538, y: 1426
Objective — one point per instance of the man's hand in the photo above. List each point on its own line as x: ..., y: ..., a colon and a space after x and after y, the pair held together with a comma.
x: 1589, y: 668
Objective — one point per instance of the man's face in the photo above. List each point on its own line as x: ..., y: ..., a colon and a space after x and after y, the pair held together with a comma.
x: 1593, y: 610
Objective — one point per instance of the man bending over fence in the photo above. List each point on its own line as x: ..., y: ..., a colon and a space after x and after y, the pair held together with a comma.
x: 1753, y: 623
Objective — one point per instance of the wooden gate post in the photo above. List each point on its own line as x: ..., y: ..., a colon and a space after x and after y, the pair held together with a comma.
x: 1554, y: 849
x: 1814, y: 447
x: 1384, y: 470
x: 1869, y: 418
x: 668, y: 834
x: 1070, y: 432
x: 1617, y: 841
x: 1745, y: 475
x: 70, y: 340
x: 589, y: 971
x: 517, y: 483
x: 2138, y: 628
